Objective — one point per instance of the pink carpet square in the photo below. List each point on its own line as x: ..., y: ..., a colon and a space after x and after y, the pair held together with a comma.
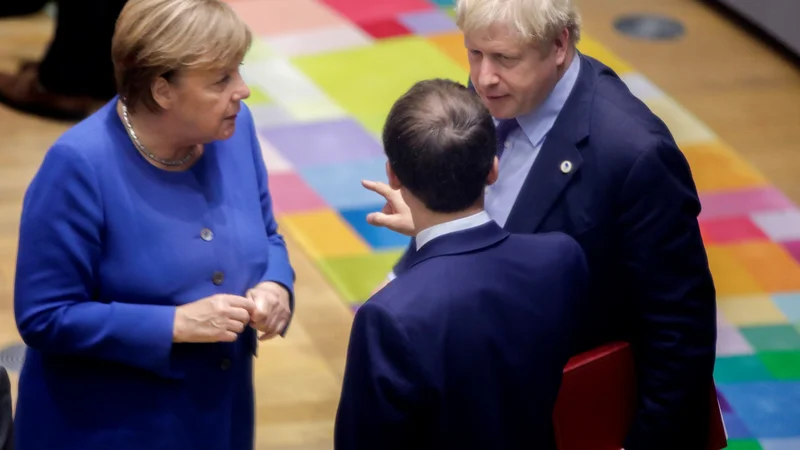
x: 742, y: 202
x: 277, y: 17
x: 793, y: 247
x: 290, y: 194
x: 385, y: 28
x: 729, y: 230
x: 365, y: 11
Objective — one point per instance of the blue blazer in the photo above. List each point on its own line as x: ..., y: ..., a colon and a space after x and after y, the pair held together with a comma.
x: 631, y: 203
x: 466, y: 348
x: 109, y: 246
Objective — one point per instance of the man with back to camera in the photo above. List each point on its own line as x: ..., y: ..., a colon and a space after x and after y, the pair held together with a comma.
x: 580, y: 154
x: 466, y: 348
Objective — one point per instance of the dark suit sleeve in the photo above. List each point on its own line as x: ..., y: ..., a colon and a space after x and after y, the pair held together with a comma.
x: 380, y: 401
x: 667, y: 268
x: 6, y: 418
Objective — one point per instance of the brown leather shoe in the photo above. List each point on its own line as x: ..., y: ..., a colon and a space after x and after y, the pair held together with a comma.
x: 23, y: 92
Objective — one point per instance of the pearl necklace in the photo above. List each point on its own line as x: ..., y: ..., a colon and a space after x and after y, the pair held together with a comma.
x: 149, y: 154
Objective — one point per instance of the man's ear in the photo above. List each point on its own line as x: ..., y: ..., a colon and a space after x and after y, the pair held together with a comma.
x: 394, y: 182
x: 493, y: 172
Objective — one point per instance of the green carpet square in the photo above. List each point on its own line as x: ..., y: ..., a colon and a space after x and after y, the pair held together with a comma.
x: 732, y: 369
x: 783, y: 365
x: 257, y: 97
x: 355, y: 277
x: 775, y: 337
x: 366, y: 81
x: 743, y: 444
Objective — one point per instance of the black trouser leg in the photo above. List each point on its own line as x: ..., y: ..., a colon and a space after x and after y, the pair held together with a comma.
x: 6, y: 420
x: 78, y: 61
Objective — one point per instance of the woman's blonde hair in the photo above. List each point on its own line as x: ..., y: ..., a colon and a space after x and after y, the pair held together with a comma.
x: 535, y: 21
x: 155, y: 38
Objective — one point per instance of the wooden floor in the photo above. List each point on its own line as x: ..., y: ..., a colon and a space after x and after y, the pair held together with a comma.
x: 744, y: 91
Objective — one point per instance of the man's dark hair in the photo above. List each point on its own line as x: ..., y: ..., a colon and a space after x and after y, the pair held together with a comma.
x: 440, y: 142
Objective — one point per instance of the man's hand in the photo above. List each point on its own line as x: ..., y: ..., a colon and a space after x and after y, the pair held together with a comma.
x: 395, y: 214
x: 272, y: 310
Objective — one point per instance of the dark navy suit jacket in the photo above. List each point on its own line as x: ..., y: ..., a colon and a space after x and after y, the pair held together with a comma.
x: 631, y: 202
x: 465, y: 349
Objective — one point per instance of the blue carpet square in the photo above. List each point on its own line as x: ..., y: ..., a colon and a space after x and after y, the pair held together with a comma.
x: 378, y: 238
x: 340, y: 184
x: 780, y: 444
x: 735, y: 427
x: 767, y: 409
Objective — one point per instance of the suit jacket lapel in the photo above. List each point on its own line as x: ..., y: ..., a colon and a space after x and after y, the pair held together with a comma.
x: 549, y: 177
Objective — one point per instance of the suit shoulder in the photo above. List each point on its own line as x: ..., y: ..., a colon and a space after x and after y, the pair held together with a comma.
x: 552, y: 246
x: 95, y: 137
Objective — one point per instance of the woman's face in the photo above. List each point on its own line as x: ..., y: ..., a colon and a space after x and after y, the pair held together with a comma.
x: 204, y: 103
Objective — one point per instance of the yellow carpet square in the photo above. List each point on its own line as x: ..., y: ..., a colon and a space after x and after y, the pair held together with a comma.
x: 452, y: 44
x: 769, y: 264
x: 323, y: 234
x: 730, y: 276
x: 751, y: 311
x: 716, y: 167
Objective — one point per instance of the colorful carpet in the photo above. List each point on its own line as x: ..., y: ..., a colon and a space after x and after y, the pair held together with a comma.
x: 323, y: 76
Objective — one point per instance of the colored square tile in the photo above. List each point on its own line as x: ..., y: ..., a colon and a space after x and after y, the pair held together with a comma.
x: 369, y: 10
x: 593, y: 48
x: 395, y: 65
x: 270, y: 115
x: 793, y: 249
x: 277, y: 17
x: 780, y: 226
x: 789, y: 304
x: 324, y: 142
x: 684, y: 126
x: 737, y: 369
x: 385, y: 28
x: 356, y: 277
x: 377, y: 237
x: 272, y: 158
x: 443, y: 3
x: 751, y: 310
x: 726, y: 230
x: 730, y: 342
x: 309, y: 42
x: 730, y: 276
x: 340, y: 184
x: 291, y: 90
x: 782, y: 364
x: 742, y: 202
x: 640, y: 86
x: 743, y: 444
x: 452, y: 45
x: 769, y: 264
x: 259, y: 51
x: 774, y: 337
x: 290, y: 194
x: 723, y: 403
x: 781, y: 444
x: 716, y: 167
x: 323, y: 234
x: 767, y: 409
x: 734, y: 426
x: 257, y: 97
x: 425, y: 23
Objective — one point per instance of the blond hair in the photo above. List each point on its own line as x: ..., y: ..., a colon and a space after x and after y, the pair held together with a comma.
x: 155, y: 38
x: 535, y: 21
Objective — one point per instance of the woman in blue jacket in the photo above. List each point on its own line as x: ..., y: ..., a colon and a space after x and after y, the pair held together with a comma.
x: 149, y: 255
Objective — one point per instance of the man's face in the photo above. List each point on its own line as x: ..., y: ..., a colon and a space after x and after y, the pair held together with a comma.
x: 512, y: 77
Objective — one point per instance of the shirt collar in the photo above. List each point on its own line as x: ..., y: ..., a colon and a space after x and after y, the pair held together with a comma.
x: 428, y: 234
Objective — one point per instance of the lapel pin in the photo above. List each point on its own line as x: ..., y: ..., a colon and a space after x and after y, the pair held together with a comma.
x: 566, y: 167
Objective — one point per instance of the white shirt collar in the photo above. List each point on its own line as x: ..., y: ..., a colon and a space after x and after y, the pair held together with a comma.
x: 428, y: 234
